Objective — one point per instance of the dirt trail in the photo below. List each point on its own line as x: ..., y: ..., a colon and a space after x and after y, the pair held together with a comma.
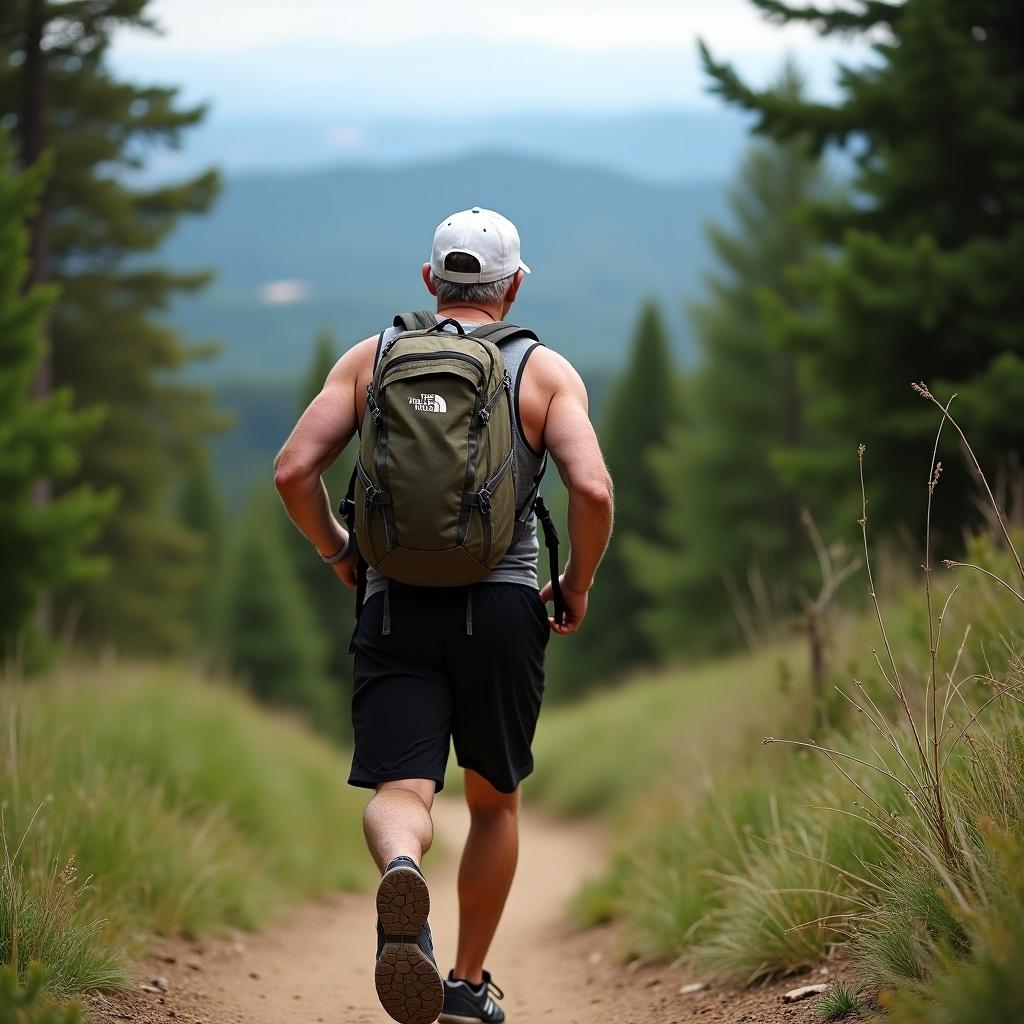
x: 318, y: 967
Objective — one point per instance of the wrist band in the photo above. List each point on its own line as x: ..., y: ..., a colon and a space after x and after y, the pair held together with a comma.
x: 342, y: 552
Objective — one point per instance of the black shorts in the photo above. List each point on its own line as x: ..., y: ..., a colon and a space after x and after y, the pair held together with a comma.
x: 431, y: 681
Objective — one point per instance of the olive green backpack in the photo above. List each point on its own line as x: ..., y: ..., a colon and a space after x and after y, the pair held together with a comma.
x: 432, y: 500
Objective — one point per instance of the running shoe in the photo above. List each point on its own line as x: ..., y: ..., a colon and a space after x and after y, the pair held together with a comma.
x: 466, y: 1004
x: 408, y: 983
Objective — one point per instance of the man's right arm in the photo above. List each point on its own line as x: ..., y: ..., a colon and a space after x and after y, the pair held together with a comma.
x: 569, y: 436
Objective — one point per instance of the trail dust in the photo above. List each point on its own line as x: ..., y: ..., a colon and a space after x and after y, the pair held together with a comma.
x: 318, y: 966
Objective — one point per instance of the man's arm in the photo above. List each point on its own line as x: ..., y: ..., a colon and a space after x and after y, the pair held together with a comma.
x: 570, y: 437
x: 318, y: 439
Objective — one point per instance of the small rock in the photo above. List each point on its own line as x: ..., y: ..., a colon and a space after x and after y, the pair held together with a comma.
x: 595, y: 957
x: 794, y: 995
x: 254, y: 975
x: 161, y: 983
x: 824, y: 971
x: 194, y: 965
x: 239, y: 947
x: 693, y: 986
x: 651, y: 982
x: 168, y: 959
x: 634, y: 965
x: 149, y: 988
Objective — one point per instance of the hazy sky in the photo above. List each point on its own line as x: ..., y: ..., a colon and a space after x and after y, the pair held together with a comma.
x: 360, y: 60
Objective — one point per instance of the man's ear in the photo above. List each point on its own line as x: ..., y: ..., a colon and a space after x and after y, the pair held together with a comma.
x: 427, y: 280
x: 513, y: 288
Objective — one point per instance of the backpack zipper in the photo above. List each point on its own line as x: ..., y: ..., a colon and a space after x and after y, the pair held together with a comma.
x: 484, y: 500
x: 504, y: 386
x: 423, y: 357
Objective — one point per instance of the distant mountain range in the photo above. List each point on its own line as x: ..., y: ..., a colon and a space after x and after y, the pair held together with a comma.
x: 665, y: 145
x: 341, y: 248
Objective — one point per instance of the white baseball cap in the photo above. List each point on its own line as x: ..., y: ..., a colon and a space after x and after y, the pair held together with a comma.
x: 488, y: 236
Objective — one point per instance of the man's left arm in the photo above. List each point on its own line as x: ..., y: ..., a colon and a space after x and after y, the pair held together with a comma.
x: 318, y: 438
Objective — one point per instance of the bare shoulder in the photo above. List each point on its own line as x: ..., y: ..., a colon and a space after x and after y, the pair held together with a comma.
x: 554, y: 374
x: 356, y: 363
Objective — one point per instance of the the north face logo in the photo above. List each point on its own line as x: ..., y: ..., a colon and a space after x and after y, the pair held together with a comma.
x: 429, y: 403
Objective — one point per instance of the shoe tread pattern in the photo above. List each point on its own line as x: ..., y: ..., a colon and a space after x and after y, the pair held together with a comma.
x: 403, y: 902
x: 408, y: 984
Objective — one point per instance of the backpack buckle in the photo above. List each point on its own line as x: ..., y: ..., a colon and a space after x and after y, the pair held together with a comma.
x: 483, y: 498
x: 347, y: 509
x: 485, y: 415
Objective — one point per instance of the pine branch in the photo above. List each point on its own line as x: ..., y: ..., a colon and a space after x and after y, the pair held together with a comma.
x: 838, y: 20
x: 781, y: 117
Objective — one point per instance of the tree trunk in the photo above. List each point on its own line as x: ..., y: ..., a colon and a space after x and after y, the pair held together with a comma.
x: 33, y: 141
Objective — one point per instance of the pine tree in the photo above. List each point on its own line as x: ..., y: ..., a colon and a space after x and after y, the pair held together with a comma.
x: 641, y: 411
x: 58, y: 93
x: 729, y: 516
x: 268, y: 634
x: 201, y: 510
x: 40, y: 548
x: 329, y: 600
x: 916, y: 281
x: 325, y: 355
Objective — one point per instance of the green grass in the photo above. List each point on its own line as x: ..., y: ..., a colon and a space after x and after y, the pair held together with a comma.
x: 757, y: 862
x: 987, y: 985
x: 144, y: 800
x: 623, y: 753
x: 27, y: 1002
x: 838, y: 1003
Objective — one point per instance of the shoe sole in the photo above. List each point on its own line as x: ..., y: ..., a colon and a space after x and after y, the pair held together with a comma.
x: 403, y: 902
x: 408, y: 984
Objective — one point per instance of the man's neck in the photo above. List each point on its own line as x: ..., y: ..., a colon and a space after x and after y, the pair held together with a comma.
x: 460, y: 311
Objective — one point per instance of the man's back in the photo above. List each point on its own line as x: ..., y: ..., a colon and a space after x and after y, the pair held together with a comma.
x: 463, y: 665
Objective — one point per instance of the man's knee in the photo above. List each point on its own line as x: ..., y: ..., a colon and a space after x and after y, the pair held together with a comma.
x: 423, y: 788
x: 484, y: 800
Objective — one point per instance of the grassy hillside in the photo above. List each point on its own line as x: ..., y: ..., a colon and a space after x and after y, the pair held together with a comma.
x: 874, y: 838
x: 623, y: 753
x: 141, y: 800
x: 355, y: 237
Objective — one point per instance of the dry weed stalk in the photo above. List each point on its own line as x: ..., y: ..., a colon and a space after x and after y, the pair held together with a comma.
x: 816, y: 609
x: 920, y: 773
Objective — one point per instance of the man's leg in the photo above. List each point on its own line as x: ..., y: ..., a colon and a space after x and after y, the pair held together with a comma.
x: 485, y: 872
x: 397, y: 823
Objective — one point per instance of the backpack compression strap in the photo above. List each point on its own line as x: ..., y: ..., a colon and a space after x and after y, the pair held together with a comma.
x: 551, y: 543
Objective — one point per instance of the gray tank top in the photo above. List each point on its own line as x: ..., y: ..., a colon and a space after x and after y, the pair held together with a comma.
x: 520, y: 562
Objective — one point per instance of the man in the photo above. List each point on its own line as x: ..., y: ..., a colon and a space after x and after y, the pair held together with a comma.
x: 426, y: 678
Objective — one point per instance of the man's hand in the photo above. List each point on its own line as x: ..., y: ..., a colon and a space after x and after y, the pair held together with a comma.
x: 347, y: 570
x: 575, y: 607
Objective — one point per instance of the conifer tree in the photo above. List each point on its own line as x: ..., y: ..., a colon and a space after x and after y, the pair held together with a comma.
x: 268, y: 634
x: 58, y: 94
x: 729, y: 516
x: 40, y: 548
x: 641, y: 411
x: 330, y: 601
x: 916, y: 282
x: 201, y: 510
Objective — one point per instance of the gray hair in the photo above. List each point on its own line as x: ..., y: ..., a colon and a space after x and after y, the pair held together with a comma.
x: 489, y: 293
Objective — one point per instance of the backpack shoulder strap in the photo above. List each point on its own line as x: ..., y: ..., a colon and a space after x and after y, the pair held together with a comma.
x: 419, y: 320
x: 500, y: 332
